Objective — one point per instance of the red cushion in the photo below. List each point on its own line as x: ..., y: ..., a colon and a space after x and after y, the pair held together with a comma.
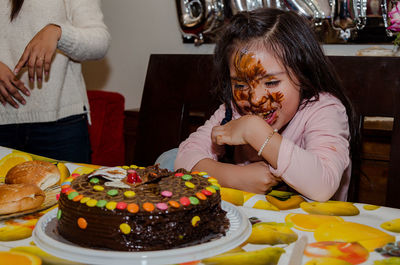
x: 107, y: 129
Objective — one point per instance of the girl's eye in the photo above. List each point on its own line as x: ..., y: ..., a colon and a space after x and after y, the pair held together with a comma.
x: 239, y: 86
x: 272, y: 83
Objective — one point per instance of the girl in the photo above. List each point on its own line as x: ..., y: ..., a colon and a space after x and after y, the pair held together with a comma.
x: 284, y: 111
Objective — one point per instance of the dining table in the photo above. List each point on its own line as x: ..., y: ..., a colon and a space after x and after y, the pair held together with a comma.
x: 306, y: 232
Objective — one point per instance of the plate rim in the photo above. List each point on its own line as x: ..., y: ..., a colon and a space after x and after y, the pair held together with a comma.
x: 239, y: 230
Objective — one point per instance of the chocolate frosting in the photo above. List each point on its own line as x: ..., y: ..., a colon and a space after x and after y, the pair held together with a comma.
x: 156, y: 229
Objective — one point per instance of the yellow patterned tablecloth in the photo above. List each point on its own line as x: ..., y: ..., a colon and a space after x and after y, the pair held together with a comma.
x: 334, y: 232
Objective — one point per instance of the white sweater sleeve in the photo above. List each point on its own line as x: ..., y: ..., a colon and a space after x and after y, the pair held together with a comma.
x: 86, y: 37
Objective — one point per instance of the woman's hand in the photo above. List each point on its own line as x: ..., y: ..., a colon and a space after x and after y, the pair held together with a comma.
x: 39, y: 52
x: 10, y: 87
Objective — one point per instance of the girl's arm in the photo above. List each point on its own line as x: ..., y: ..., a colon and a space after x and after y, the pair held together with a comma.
x: 315, y: 169
x: 255, y: 177
x: 252, y: 130
x: 198, y: 145
x: 199, y: 153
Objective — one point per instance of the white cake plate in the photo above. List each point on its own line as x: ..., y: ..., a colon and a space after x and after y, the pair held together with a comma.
x: 46, y: 237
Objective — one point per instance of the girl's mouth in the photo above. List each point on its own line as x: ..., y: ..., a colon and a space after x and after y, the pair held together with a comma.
x: 269, y: 116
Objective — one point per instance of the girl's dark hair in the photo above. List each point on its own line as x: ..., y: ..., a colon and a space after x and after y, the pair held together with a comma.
x: 15, y: 8
x: 292, y: 40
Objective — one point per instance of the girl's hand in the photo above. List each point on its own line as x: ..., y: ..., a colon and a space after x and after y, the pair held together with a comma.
x: 234, y: 132
x: 39, y: 52
x: 10, y: 87
x: 252, y: 130
x: 257, y: 178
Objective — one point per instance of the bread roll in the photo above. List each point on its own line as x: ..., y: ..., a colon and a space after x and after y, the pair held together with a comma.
x: 41, y: 173
x: 20, y: 197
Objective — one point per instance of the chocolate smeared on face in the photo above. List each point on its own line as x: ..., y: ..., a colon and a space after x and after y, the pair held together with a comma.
x: 247, y: 68
x: 250, y: 75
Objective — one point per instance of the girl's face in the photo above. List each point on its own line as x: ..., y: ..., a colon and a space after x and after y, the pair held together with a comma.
x: 261, y: 86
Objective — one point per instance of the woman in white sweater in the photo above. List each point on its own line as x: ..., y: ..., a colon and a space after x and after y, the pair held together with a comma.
x: 44, y: 102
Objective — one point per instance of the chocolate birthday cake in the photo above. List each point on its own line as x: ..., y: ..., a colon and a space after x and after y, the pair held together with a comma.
x: 140, y: 209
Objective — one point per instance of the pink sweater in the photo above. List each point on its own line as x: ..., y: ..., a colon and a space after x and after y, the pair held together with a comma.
x: 313, y: 156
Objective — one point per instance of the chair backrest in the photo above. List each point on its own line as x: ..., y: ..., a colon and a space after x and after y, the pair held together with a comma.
x: 177, y: 99
x: 106, y: 131
x: 373, y: 86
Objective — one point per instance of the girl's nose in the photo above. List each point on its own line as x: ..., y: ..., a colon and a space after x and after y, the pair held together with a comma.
x: 257, y: 97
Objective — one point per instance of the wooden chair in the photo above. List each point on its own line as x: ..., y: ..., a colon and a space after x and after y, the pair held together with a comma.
x: 373, y: 86
x: 177, y: 99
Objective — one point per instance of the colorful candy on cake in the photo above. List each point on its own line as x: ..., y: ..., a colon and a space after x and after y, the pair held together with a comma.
x: 140, y: 209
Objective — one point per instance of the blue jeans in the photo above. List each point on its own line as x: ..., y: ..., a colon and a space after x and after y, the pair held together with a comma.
x: 66, y: 139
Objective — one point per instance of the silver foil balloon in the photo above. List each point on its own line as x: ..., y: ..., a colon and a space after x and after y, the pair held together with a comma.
x: 314, y: 9
x: 348, y: 15
x: 247, y: 5
x: 202, y: 18
x: 309, y: 8
x: 385, y: 17
x: 199, y: 19
x: 386, y: 6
